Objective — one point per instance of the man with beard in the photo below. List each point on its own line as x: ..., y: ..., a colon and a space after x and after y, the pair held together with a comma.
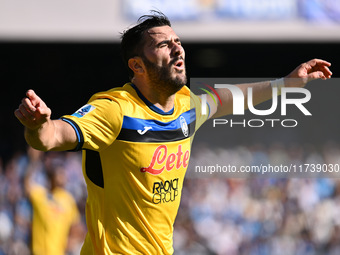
x: 136, y: 139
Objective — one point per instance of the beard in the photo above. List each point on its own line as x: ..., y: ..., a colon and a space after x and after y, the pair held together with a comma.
x: 160, y: 78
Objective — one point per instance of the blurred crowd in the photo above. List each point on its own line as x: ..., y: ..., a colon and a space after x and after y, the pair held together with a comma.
x: 260, y: 215
x: 15, y: 207
x: 218, y: 215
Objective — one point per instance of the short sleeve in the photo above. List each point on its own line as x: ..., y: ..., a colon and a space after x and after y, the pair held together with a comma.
x: 196, y: 102
x: 97, y: 124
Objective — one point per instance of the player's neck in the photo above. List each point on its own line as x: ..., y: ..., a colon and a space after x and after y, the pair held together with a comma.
x: 158, y: 99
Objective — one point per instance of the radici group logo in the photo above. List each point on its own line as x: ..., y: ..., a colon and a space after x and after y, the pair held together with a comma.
x: 290, y: 98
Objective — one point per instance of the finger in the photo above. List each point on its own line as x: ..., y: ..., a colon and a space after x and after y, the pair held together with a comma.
x: 22, y: 117
x: 33, y: 97
x: 19, y: 115
x: 328, y: 73
x: 44, y: 111
x: 316, y: 75
x: 27, y: 103
x: 26, y: 113
x: 316, y: 61
x: 324, y: 69
x: 316, y: 65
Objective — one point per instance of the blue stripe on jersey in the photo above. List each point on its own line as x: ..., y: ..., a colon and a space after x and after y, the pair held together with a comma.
x: 74, y: 127
x: 79, y: 134
x: 140, y: 124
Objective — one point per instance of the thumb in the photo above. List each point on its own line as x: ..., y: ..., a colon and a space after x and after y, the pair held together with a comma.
x: 44, y: 111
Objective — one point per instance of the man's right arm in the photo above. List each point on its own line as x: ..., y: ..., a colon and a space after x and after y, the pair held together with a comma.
x: 41, y: 132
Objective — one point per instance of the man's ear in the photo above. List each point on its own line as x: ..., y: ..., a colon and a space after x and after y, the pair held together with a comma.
x: 136, y: 65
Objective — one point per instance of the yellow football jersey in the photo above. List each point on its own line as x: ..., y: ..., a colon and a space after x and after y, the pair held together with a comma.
x: 134, y: 161
x: 53, y: 215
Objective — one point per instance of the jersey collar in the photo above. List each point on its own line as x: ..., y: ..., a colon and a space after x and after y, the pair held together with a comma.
x: 150, y: 105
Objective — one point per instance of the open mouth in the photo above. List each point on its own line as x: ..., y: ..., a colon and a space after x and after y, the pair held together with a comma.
x: 179, y: 64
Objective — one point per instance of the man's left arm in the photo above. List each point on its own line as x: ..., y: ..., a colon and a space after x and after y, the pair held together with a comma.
x: 262, y: 91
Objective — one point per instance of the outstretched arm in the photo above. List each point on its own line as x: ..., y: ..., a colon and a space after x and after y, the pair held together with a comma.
x: 41, y: 132
x: 262, y: 91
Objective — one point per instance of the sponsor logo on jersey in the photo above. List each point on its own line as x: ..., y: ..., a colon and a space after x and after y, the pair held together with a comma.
x: 165, y: 192
x: 161, y: 160
x: 142, y: 132
x: 84, y: 110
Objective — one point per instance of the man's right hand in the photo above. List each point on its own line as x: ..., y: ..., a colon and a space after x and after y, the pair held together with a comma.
x: 32, y: 112
x: 41, y: 132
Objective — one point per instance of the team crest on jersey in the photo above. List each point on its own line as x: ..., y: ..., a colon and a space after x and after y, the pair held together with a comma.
x: 184, y: 126
x: 84, y: 110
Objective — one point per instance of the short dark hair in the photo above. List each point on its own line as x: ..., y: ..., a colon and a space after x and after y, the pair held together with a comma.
x: 133, y: 38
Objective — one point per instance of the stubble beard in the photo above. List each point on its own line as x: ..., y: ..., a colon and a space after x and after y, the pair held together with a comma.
x: 160, y: 78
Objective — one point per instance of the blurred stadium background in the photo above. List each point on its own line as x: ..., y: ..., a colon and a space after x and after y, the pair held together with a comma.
x: 68, y: 50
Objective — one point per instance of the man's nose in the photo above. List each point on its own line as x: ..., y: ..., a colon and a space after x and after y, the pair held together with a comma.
x: 177, y: 49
